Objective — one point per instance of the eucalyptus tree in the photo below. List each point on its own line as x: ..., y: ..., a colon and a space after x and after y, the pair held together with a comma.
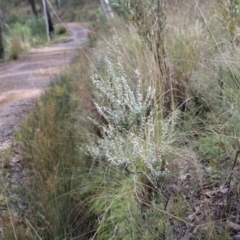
x: 1, y: 37
x: 1, y: 43
x: 33, y: 6
x: 58, y: 3
x: 106, y: 9
x: 48, y: 20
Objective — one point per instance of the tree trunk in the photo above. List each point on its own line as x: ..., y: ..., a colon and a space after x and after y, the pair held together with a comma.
x: 58, y: 3
x: 1, y: 42
x: 33, y: 6
x: 50, y: 23
x: 106, y: 9
x: 48, y: 20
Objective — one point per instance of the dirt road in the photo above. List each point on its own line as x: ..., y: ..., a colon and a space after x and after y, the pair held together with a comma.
x: 24, y: 80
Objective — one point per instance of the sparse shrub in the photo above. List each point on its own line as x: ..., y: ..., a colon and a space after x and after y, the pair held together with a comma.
x: 118, y: 6
x: 22, y: 31
x: 129, y: 137
x: 61, y: 30
x: 15, y: 47
x: 133, y: 153
x: 12, y: 19
x: 230, y: 17
x: 36, y: 26
x: 17, y: 40
x: 22, y: 36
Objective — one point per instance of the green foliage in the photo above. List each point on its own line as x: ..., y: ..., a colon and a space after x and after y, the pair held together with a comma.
x: 53, y: 149
x: 123, y: 208
x: 61, y: 30
x: 118, y: 6
x: 211, y: 146
x: 17, y: 41
x: 22, y: 31
x: 4, y: 4
x: 36, y: 26
x: 230, y: 17
x: 21, y: 37
x: 12, y: 19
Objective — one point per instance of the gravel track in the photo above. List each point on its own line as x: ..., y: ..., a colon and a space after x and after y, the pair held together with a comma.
x: 24, y: 80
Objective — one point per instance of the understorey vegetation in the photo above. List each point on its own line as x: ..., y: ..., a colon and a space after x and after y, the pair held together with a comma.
x: 19, y: 33
x: 139, y: 138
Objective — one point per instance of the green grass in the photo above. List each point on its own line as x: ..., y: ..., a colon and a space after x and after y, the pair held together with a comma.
x: 23, y: 32
x: 54, y: 157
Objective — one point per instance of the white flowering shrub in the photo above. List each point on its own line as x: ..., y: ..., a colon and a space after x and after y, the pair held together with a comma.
x: 129, y: 137
x: 124, y: 107
x: 133, y: 152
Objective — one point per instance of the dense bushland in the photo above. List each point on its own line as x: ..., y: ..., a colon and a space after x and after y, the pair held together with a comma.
x: 139, y: 139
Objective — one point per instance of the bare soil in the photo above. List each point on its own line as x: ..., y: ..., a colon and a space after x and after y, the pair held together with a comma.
x: 23, y: 81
